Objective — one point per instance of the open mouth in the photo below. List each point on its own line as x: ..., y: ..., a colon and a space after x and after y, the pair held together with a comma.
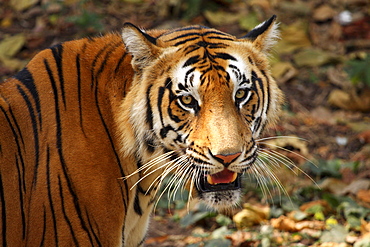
x: 221, y: 181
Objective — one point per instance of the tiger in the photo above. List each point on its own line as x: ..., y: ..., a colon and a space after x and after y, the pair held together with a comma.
x: 90, y: 128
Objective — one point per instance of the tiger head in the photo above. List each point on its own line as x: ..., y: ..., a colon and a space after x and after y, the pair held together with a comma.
x: 199, y: 100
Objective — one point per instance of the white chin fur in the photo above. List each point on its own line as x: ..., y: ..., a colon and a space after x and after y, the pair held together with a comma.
x: 221, y: 200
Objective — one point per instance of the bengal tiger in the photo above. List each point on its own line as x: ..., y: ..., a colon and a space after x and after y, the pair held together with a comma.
x: 89, y: 129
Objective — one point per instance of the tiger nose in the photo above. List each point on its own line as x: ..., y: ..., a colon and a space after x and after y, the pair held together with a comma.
x: 227, y: 159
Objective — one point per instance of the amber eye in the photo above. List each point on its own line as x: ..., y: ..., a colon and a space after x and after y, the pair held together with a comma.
x: 240, y: 94
x: 186, y: 99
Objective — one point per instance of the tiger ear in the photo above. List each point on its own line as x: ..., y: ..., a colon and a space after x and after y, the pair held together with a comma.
x: 265, y: 35
x: 140, y: 45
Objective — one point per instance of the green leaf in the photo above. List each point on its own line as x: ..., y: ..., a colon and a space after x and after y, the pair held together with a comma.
x: 336, y: 234
x: 223, y: 220
x: 217, y: 243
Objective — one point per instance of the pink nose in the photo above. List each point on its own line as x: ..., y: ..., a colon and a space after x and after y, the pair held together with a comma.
x: 227, y: 159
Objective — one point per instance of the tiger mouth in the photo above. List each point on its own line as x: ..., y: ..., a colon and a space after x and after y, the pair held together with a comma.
x: 221, y: 181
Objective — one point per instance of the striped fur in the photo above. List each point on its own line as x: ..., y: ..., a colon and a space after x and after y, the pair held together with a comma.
x: 90, y: 127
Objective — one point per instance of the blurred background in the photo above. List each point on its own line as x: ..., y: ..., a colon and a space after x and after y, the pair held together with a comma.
x: 322, y: 63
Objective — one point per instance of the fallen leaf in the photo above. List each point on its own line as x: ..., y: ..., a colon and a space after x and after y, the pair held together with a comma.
x: 336, y: 234
x: 350, y: 99
x: 251, y: 215
x: 154, y: 240
x: 357, y: 185
x: 291, y: 141
x: 293, y: 37
x: 286, y: 224
x: 364, y: 136
x: 312, y: 207
x: 11, y: 45
x: 313, y: 57
x: 21, y: 5
x: 283, y: 71
x: 323, y: 13
x: 364, y: 196
x: 220, y: 17
x: 248, y: 22
x: 333, y: 185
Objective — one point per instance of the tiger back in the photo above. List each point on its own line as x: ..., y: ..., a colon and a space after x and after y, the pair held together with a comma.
x: 89, y: 129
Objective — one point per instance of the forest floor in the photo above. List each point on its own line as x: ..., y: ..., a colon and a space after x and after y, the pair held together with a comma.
x: 322, y: 64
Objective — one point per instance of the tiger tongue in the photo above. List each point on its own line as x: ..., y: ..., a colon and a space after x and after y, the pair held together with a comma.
x: 224, y: 177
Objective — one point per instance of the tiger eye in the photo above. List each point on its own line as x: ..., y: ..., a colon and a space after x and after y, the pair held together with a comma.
x: 186, y: 99
x: 240, y: 93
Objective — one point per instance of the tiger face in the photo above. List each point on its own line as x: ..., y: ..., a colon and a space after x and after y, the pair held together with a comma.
x: 204, y: 98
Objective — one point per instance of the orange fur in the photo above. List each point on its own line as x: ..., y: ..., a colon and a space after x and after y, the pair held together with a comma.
x: 76, y: 121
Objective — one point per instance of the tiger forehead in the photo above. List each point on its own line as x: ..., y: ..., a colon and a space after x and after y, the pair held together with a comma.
x: 195, y: 35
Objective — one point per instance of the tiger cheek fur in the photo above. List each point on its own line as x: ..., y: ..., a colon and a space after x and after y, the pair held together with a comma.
x: 90, y: 128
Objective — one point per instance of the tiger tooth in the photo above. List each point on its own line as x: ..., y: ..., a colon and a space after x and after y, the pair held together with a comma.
x: 235, y: 175
x: 209, y: 179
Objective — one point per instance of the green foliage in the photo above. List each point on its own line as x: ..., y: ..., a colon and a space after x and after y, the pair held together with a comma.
x: 330, y: 168
x: 358, y: 71
x: 87, y: 20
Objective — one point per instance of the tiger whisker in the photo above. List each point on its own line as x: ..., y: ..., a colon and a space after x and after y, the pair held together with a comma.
x: 170, y: 182
x: 289, y: 151
x: 279, y: 137
x: 269, y: 173
x: 278, y: 157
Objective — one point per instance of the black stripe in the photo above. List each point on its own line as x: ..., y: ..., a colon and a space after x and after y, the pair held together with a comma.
x: 95, y: 81
x: 26, y: 78
x: 34, y: 129
x: 43, y: 229
x: 182, y: 30
x: 63, y: 206
x: 255, y: 79
x: 137, y: 206
x: 184, y: 41
x: 186, y: 35
x: 93, y: 64
x: 224, y: 56
x: 191, y: 61
x: 159, y: 103
x: 118, y: 66
x: 60, y: 150
x: 57, y: 51
x: 93, y: 230
x: 3, y: 212
x: 164, y: 131
x: 149, y: 112
x: 48, y: 186
x: 220, y: 38
x: 21, y: 184
x: 106, y: 58
x: 79, y: 93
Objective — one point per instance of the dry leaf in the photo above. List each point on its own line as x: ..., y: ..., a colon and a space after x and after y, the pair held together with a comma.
x: 364, y: 197
x: 350, y: 100
x: 283, y: 71
x: 221, y: 17
x: 291, y: 141
x: 357, y: 185
x: 293, y: 37
x: 313, y: 57
x: 251, y: 215
x: 324, y: 204
x: 286, y: 224
x: 21, y: 5
x: 323, y: 13
x: 333, y: 185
